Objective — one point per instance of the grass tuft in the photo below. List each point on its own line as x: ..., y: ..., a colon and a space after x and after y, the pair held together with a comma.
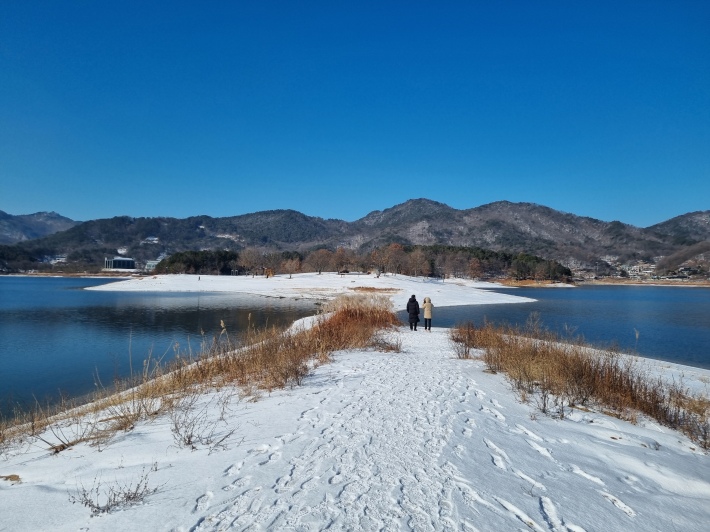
x: 571, y: 374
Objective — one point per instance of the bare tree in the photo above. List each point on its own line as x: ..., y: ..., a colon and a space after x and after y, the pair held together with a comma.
x: 291, y: 266
x: 251, y: 259
x: 272, y: 260
x: 475, y: 270
x: 320, y: 260
x: 395, y: 257
x: 343, y: 258
x: 418, y: 262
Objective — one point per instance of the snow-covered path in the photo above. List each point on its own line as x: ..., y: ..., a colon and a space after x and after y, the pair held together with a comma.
x: 371, y: 460
x: 411, y: 441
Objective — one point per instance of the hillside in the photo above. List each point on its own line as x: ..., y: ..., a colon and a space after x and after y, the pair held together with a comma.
x: 514, y: 227
x: 15, y: 229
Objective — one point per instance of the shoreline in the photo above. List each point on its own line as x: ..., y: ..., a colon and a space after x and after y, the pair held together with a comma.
x: 326, y: 286
x: 492, y: 283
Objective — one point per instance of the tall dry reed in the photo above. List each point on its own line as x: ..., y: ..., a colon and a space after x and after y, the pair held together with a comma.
x: 561, y: 374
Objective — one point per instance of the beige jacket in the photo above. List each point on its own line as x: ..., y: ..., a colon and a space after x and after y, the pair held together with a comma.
x: 427, y: 306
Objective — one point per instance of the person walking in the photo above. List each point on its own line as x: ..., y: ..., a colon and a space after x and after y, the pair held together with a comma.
x: 427, y: 306
x: 413, y: 311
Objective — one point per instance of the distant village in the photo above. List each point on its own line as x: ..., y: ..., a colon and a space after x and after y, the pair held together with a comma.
x: 612, y: 267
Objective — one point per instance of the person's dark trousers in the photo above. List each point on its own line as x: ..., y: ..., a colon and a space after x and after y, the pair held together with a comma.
x: 427, y: 324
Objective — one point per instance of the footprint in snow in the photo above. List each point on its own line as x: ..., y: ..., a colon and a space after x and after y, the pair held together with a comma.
x: 620, y: 505
x: 528, y: 432
x: 540, y: 449
x: 519, y: 514
x: 499, y: 462
x: 336, y: 479
x: 493, y: 447
x: 553, y: 520
x: 459, y: 451
x: 282, y: 484
x: 273, y: 457
x: 203, y: 502
x: 262, y: 449
x: 234, y: 470
x: 239, y: 483
x: 532, y: 481
x: 304, y: 414
x: 586, y: 475
x: 288, y: 438
x: 493, y: 412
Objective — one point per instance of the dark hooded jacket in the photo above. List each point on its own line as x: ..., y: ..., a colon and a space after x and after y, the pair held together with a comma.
x: 413, y: 309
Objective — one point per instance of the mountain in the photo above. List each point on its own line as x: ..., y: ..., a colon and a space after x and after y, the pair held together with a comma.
x: 501, y: 226
x: 530, y: 228
x: 30, y: 226
x: 685, y: 229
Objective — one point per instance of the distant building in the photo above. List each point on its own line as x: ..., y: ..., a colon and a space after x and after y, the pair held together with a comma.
x: 150, y: 265
x: 119, y: 263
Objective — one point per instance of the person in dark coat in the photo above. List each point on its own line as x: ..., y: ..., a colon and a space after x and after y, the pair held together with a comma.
x: 413, y: 311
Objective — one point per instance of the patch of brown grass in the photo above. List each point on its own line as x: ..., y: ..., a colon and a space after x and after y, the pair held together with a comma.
x: 559, y: 375
x: 372, y: 289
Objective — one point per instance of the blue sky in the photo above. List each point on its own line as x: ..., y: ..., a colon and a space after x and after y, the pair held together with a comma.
x: 336, y: 109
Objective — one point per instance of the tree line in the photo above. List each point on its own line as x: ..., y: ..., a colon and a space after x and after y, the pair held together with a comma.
x: 437, y: 260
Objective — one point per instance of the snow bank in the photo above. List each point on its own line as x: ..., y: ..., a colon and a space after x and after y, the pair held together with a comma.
x: 324, y: 286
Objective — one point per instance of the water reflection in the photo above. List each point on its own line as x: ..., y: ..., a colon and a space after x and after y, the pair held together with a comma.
x: 672, y: 323
x: 57, y: 338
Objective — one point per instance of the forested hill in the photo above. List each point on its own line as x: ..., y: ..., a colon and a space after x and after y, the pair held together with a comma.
x: 504, y: 226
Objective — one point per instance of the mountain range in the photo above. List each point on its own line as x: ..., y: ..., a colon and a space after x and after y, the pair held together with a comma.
x: 573, y: 240
x: 15, y: 229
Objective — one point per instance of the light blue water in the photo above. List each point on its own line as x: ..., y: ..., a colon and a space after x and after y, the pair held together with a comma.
x: 57, y: 338
x: 673, y: 323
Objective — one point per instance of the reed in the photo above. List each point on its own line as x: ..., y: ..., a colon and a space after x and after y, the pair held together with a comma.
x: 559, y: 374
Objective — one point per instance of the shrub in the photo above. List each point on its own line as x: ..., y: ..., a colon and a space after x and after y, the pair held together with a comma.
x: 562, y: 375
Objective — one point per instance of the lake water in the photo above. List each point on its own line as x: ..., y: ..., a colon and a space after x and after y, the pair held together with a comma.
x: 57, y: 338
x: 673, y: 323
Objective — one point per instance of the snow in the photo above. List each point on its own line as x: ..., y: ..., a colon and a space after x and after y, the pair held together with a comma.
x: 416, y: 440
x: 323, y: 286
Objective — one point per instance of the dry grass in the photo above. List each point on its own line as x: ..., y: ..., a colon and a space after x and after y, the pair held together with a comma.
x: 375, y: 290
x: 559, y: 375
x: 257, y: 360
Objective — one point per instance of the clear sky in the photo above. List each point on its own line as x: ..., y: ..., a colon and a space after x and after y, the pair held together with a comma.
x: 336, y: 109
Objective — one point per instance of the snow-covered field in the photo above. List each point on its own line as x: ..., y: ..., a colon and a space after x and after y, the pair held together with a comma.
x: 416, y: 440
x: 324, y: 286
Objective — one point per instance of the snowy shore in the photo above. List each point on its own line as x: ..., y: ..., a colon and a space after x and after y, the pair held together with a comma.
x: 416, y: 440
x: 324, y: 286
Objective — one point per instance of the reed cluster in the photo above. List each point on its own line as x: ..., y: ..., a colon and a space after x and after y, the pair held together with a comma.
x: 242, y: 365
x: 559, y: 374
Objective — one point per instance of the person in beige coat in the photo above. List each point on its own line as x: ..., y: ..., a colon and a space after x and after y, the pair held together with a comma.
x: 427, y: 306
